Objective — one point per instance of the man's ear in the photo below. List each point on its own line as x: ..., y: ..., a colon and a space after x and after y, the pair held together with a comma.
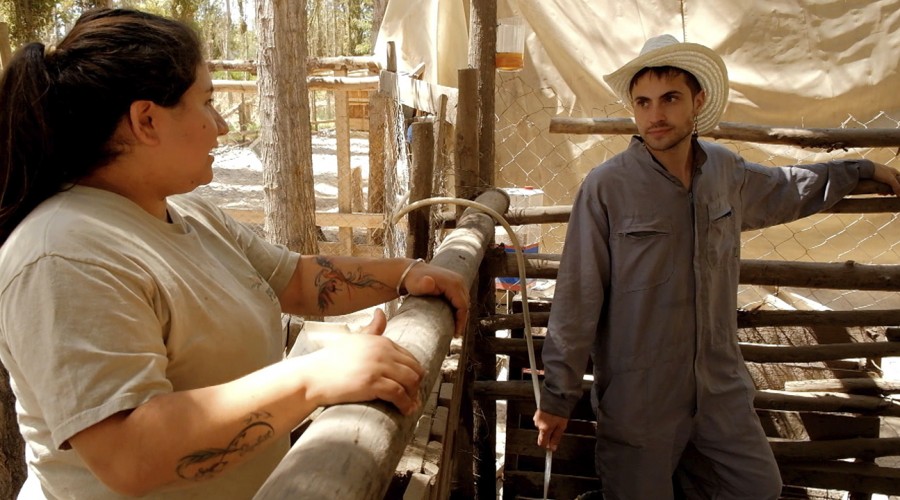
x: 142, y: 121
x: 699, y: 100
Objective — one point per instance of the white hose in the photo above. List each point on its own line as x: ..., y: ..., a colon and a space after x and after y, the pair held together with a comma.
x: 520, y: 263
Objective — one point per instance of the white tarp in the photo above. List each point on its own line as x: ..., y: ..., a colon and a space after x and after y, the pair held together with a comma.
x: 810, y: 63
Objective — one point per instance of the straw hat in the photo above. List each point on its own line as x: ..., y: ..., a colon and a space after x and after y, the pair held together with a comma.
x: 700, y: 61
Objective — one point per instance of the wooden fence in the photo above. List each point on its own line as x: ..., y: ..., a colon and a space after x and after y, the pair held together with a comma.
x: 815, y: 426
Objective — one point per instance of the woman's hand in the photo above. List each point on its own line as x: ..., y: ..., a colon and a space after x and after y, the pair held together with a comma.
x: 426, y: 279
x: 352, y: 368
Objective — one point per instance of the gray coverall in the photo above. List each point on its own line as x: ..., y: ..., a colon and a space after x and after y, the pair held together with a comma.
x: 648, y: 286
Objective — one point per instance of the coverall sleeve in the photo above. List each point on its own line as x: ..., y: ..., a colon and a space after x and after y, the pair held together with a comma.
x: 776, y: 195
x: 577, y: 303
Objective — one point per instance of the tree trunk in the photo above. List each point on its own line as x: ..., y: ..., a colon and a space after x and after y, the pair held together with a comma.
x: 290, y: 202
x: 12, y: 448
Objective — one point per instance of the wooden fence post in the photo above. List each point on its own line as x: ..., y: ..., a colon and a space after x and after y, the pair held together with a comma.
x: 418, y: 243
x: 350, y: 451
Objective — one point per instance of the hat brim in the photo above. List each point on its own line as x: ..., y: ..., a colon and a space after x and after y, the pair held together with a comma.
x: 700, y: 61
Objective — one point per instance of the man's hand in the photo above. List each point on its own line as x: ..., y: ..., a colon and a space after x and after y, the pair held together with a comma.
x: 550, y: 429
x: 887, y: 175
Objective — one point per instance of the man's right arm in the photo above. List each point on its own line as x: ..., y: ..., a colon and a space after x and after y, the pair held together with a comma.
x: 575, y: 313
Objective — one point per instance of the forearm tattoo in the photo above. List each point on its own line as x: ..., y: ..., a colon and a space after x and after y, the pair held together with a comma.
x: 332, y: 280
x: 208, y: 463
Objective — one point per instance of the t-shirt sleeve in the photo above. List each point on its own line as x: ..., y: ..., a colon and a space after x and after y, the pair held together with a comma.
x: 85, y: 360
x: 275, y: 263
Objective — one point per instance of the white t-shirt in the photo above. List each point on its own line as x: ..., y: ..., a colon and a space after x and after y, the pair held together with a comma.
x: 103, y: 306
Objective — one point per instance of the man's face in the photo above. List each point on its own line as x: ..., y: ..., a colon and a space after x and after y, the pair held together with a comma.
x: 664, y: 110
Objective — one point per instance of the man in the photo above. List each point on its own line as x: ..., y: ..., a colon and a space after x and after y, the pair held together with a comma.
x: 648, y: 284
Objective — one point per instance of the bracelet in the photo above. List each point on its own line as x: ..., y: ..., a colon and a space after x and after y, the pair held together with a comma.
x: 403, y: 276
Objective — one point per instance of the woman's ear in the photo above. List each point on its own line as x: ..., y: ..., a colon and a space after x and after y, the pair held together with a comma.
x: 143, y: 123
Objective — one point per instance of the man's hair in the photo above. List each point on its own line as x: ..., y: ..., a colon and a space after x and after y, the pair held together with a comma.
x: 668, y: 72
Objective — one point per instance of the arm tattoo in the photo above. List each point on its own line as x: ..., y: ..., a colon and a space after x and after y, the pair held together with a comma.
x: 332, y: 280
x: 208, y: 463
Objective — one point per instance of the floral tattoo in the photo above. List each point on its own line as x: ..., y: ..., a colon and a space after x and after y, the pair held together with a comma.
x: 332, y: 280
x: 208, y: 463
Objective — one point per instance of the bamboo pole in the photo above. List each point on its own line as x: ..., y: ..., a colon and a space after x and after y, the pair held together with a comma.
x: 350, y: 451
x: 826, y: 138
x: 851, y: 385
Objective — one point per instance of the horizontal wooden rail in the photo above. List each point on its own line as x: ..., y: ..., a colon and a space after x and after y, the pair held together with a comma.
x: 754, y: 353
x: 313, y: 64
x: 350, y: 451
x: 845, y: 476
x: 849, y: 385
x: 573, y: 446
x: 834, y: 275
x: 345, y: 83
x: 745, y: 319
x: 559, y: 214
x: 522, y: 390
x: 826, y: 138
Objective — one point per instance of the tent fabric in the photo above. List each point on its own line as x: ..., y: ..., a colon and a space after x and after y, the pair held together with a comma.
x: 808, y: 63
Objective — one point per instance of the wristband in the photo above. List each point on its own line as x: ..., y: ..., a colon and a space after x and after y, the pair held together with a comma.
x: 403, y: 277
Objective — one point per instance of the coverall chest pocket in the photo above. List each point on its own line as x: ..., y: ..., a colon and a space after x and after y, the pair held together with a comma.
x: 722, y: 236
x: 642, y: 257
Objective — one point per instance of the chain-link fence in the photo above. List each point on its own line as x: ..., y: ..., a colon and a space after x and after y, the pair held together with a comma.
x: 528, y: 155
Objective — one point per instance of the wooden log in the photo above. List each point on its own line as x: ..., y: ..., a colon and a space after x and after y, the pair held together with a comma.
x: 467, y: 136
x: 834, y: 449
x: 845, y: 476
x: 766, y: 399
x: 344, y: 184
x: 848, y: 275
x: 418, y: 242
x: 248, y: 66
x: 345, y: 63
x: 314, y: 83
x: 313, y: 64
x: 378, y: 106
x: 825, y: 138
x: 753, y: 353
x: 824, y: 401
x: 420, y: 95
x: 350, y: 451
x: 747, y: 319
x: 558, y: 214
x: 755, y: 319
x: 892, y: 333
x: 482, y: 56
x: 849, y: 385
x: 760, y: 353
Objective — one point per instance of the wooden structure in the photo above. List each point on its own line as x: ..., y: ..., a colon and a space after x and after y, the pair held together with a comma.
x: 351, y: 80
x: 815, y: 426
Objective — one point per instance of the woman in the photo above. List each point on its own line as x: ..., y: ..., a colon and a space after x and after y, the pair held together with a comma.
x: 141, y: 326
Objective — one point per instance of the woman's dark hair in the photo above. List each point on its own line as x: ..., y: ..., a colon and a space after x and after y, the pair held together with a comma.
x: 60, y: 107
